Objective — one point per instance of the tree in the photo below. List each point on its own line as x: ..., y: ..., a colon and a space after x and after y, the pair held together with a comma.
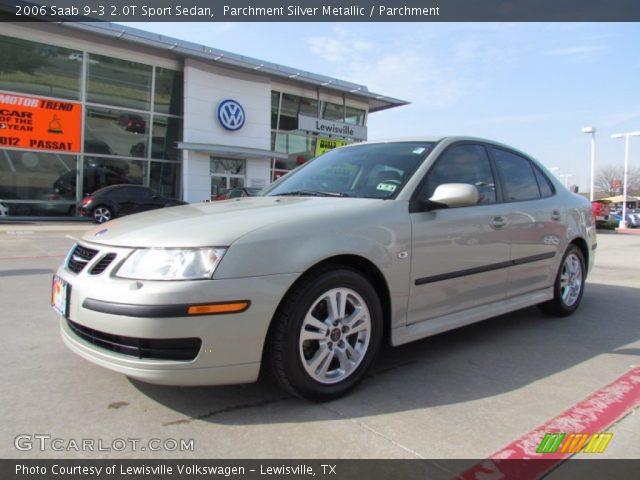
x: 22, y: 56
x: 607, y: 177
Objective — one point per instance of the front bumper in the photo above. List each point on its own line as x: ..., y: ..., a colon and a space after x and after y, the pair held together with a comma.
x: 232, y: 344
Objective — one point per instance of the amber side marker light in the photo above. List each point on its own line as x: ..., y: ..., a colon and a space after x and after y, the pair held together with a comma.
x: 213, y: 308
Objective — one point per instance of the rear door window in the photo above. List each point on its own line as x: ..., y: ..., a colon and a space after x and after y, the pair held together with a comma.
x: 517, y: 176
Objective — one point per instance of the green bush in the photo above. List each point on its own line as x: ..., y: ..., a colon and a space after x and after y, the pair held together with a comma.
x: 606, y: 224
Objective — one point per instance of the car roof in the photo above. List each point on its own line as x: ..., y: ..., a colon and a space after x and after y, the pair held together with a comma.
x: 120, y: 185
x: 449, y: 139
x: 431, y: 138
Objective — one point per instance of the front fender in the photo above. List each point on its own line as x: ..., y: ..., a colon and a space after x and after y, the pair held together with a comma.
x: 379, y: 234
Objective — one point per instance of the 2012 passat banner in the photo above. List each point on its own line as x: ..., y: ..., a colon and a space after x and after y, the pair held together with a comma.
x: 320, y: 10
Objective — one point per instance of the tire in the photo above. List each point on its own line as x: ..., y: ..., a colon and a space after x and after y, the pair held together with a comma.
x: 569, y: 285
x: 337, y: 352
x: 101, y: 214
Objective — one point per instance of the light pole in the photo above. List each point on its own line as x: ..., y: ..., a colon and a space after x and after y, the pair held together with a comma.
x: 592, y: 131
x: 623, y: 220
x: 565, y: 177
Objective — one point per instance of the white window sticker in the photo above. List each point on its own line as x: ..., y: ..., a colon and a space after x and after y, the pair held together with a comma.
x: 419, y: 150
x: 386, y: 187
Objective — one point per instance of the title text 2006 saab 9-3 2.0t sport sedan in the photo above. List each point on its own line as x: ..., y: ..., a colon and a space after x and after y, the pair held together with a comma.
x: 410, y: 238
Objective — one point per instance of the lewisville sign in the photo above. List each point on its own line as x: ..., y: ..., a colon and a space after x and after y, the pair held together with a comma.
x: 329, y: 127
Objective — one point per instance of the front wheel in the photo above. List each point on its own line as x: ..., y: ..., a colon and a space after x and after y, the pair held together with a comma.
x: 326, y: 334
x: 569, y: 285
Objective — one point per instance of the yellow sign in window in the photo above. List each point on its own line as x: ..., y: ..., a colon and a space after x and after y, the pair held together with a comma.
x: 323, y: 145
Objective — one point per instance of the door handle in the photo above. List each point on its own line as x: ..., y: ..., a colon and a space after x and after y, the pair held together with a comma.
x: 555, y: 214
x: 498, y: 222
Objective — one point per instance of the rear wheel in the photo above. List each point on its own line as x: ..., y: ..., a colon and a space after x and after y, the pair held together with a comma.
x: 326, y: 334
x: 569, y: 285
x: 102, y: 214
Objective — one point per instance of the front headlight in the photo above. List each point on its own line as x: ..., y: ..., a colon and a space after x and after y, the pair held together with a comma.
x: 171, y: 263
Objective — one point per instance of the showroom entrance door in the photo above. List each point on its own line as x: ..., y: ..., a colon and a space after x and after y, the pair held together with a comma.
x: 226, y: 173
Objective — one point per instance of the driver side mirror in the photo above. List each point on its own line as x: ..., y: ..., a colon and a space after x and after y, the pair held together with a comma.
x: 452, y: 195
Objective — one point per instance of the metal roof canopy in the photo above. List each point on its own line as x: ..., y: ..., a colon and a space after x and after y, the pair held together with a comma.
x: 231, y: 151
x: 376, y: 101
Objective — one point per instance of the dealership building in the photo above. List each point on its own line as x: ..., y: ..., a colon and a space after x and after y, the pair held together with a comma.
x: 85, y: 105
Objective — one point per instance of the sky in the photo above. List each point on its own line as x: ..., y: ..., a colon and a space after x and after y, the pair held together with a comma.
x: 533, y: 86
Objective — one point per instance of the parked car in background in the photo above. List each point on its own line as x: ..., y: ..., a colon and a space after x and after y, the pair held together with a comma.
x: 236, y: 193
x: 374, y: 241
x: 601, y: 210
x: 94, y: 178
x: 633, y: 220
x: 119, y: 200
x: 132, y: 122
x: 4, y: 210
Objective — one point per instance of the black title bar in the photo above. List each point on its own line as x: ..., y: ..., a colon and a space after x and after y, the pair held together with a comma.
x: 321, y: 10
x: 118, y: 469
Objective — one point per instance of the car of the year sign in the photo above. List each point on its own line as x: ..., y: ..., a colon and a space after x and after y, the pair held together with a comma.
x: 369, y: 243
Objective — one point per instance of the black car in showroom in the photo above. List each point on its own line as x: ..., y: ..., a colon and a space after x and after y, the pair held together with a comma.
x: 118, y: 200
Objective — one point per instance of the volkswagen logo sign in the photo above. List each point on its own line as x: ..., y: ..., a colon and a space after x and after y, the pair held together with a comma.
x: 231, y: 115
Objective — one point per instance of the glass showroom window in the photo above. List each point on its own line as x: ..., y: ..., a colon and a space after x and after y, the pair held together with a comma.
x: 149, y: 132
x: 275, y: 108
x: 29, y: 178
x: 164, y: 178
x: 354, y: 116
x: 101, y: 172
x: 292, y: 106
x: 299, y: 148
x: 111, y: 81
x: 36, y: 68
x: 168, y: 94
x: 115, y: 132
x: 166, y: 134
x: 332, y: 111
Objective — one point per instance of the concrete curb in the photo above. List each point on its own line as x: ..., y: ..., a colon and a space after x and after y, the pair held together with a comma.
x: 13, y: 227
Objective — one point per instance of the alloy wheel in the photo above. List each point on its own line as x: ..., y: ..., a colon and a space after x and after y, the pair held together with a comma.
x: 335, y: 335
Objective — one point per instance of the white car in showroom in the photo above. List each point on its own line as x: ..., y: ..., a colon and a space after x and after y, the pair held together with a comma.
x: 369, y: 243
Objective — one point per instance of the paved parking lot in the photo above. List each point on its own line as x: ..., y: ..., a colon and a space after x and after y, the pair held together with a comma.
x: 462, y: 394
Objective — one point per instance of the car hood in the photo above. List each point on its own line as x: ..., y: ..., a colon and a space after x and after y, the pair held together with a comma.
x: 218, y: 223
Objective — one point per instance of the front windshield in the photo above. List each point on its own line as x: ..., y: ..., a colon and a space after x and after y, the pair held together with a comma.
x: 377, y: 170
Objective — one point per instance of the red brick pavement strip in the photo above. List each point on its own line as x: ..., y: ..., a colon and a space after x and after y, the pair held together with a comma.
x: 592, y: 415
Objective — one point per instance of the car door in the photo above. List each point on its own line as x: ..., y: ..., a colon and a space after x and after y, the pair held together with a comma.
x: 146, y: 199
x: 535, y: 223
x: 125, y: 197
x: 459, y: 256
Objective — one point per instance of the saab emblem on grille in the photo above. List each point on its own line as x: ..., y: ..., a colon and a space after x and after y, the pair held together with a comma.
x: 231, y: 115
x: 101, y: 232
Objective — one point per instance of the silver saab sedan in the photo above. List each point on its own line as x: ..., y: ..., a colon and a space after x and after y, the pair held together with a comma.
x: 373, y: 242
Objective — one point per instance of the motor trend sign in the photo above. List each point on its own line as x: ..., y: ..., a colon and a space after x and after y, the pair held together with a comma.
x: 39, y: 123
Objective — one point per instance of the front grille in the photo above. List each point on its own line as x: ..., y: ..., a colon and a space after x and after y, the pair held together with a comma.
x: 157, y: 349
x: 102, y: 264
x: 80, y: 257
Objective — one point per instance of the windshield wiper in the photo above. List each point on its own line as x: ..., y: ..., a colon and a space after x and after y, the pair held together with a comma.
x: 311, y: 193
